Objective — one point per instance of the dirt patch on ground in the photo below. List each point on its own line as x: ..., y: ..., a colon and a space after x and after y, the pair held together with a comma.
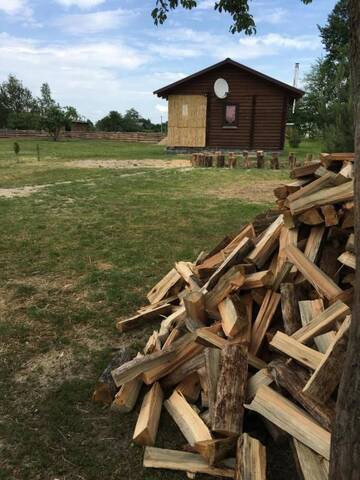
x: 258, y: 192
x: 20, y: 191
x: 146, y: 163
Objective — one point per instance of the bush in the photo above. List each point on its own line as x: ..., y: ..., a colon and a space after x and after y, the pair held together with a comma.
x: 294, y: 137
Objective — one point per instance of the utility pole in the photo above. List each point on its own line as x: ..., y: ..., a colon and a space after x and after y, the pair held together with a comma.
x: 295, y: 82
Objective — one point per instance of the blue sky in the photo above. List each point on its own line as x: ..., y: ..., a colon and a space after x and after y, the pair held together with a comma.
x: 102, y: 55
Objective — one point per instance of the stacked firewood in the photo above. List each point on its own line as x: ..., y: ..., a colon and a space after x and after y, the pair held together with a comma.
x: 232, y: 160
x: 258, y: 326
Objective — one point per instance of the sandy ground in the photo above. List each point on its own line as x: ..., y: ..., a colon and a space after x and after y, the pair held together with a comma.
x: 146, y: 163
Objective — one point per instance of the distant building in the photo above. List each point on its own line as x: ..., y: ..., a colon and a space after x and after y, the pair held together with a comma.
x: 79, y: 126
x: 228, y: 106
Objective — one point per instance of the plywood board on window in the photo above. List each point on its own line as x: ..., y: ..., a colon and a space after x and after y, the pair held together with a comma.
x: 187, y: 120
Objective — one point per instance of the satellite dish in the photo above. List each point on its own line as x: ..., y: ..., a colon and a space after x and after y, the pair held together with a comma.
x: 221, y: 88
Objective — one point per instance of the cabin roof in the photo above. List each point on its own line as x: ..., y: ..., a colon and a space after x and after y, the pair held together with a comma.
x: 294, y: 92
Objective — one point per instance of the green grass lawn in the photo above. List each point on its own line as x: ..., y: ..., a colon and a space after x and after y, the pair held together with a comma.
x: 76, y: 256
x: 108, y: 149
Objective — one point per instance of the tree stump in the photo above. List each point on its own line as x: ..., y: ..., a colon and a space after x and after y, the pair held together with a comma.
x: 232, y: 160
x: 260, y: 159
x: 246, y: 159
x: 292, y: 160
x: 274, y: 162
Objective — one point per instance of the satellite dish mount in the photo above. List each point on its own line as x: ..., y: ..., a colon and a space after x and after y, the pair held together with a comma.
x: 221, y: 88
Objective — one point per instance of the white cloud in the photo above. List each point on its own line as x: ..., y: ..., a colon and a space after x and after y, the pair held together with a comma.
x: 273, y: 17
x: 83, y: 4
x: 16, y: 8
x: 206, y: 5
x: 161, y: 108
x: 94, y: 22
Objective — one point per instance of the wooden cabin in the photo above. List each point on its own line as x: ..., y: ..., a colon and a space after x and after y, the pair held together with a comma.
x: 228, y: 106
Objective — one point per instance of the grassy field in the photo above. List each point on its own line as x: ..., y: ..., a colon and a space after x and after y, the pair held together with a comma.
x: 78, y: 252
x: 107, y: 149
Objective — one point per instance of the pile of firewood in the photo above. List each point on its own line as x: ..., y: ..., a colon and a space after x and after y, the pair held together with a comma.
x: 259, y: 324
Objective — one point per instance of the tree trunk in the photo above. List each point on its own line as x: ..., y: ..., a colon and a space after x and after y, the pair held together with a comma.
x: 345, y: 448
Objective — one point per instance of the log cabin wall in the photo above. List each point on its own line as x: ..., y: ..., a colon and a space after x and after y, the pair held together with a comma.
x: 262, y: 109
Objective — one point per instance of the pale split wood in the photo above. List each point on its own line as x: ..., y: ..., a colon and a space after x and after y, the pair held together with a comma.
x: 162, y: 288
x: 217, y: 449
x: 326, y: 377
x: 258, y: 279
x: 232, y: 280
x: 176, y: 318
x: 250, y: 459
x: 314, y: 186
x: 182, y: 371
x: 287, y: 237
x: 262, y: 377
x: 330, y: 215
x: 313, y: 243
x: 311, y: 465
x: 194, y: 303
x: 290, y: 308
x: 292, y: 419
x: 148, y: 420
x: 144, y: 315
x: 191, y: 425
x: 233, y: 316
x: 126, y: 398
x: 267, y: 243
x: 184, y: 461
x: 326, y: 196
x: 324, y: 285
x: 190, y: 387
x: 263, y: 320
x: 312, y: 216
x: 187, y: 271
x: 301, y: 353
x: 323, y: 322
x: 310, y: 309
x: 348, y: 259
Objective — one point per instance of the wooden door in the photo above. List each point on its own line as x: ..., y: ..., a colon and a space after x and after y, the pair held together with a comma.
x: 187, y: 121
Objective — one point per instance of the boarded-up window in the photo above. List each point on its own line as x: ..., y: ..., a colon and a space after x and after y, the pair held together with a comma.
x: 185, y: 111
x: 230, y: 115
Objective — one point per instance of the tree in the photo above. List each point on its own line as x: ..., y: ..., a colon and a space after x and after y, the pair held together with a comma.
x: 345, y: 444
x: 15, y: 98
x: 111, y: 122
x: 55, y: 118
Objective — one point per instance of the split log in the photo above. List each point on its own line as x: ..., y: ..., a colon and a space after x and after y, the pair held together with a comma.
x: 313, y: 243
x: 162, y: 288
x: 324, y: 181
x: 229, y: 282
x: 263, y: 320
x: 153, y: 344
x: 250, y: 459
x: 304, y: 355
x: 173, y: 335
x: 228, y: 409
x: 311, y: 217
x: 190, y: 388
x: 216, y: 449
x: 145, y: 315
x: 330, y: 215
x: 311, y: 466
x: 126, y: 398
x: 186, y: 271
x: 175, y: 319
x: 194, y: 303
x: 267, y: 243
x: 292, y: 419
x: 184, y: 461
x: 323, y: 322
x: 148, y: 420
x: 233, y: 316
x: 324, y: 285
x: 305, y: 170
x: 262, y: 377
x: 187, y: 368
x: 189, y: 422
x: 327, y: 375
x: 348, y: 259
x: 258, y: 280
x: 207, y: 337
x: 212, y: 366
x: 290, y: 308
x: 326, y: 196
x: 105, y: 388
x: 310, y: 309
x: 287, y: 378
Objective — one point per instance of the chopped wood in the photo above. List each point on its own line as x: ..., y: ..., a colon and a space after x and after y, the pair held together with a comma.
x: 173, y: 335
x: 212, y: 367
x: 262, y: 377
x: 162, y: 288
x: 350, y: 244
x: 311, y: 466
x: 305, y: 170
x: 290, y: 308
x: 189, y: 422
x: 216, y: 449
x: 126, y: 398
x: 186, y: 271
x: 194, y: 303
x: 323, y: 322
x: 190, y: 387
x: 287, y: 378
x: 258, y: 279
x: 153, y: 344
x: 182, y: 371
x: 292, y: 419
x: 229, y: 282
x: 250, y: 459
x: 151, y: 313
x: 105, y: 389
x: 327, y: 375
x: 233, y: 316
x: 263, y: 320
x: 313, y: 243
x: 348, y: 259
x: 228, y: 409
x: 330, y: 215
x: 311, y: 217
x: 310, y: 309
x: 183, y: 461
x: 148, y: 420
x: 267, y: 243
x: 301, y: 353
x: 208, y: 337
x: 324, y: 285
x: 326, y: 196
